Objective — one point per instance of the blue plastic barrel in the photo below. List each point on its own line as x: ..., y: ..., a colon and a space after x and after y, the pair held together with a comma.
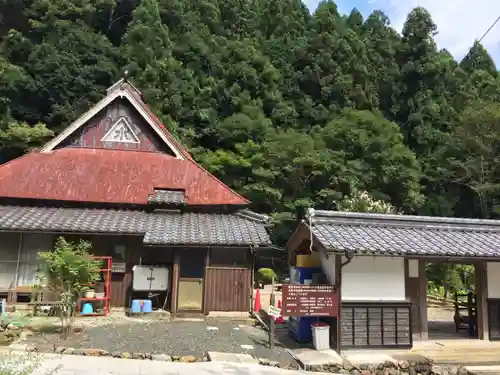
x: 87, y: 309
x: 136, y: 306
x: 147, y: 306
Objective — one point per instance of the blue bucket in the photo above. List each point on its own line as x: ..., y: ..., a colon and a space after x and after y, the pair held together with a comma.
x: 147, y: 306
x: 87, y: 309
x: 141, y: 306
x: 136, y: 306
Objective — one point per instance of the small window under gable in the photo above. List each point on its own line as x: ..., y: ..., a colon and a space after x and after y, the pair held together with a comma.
x: 121, y: 132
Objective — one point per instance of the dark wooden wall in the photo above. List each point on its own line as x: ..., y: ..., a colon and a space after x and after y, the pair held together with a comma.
x: 90, y: 135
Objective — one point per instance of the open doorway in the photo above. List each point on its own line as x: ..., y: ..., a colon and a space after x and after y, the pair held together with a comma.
x: 451, y: 301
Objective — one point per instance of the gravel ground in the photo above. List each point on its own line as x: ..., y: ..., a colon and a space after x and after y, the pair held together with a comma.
x: 172, y: 338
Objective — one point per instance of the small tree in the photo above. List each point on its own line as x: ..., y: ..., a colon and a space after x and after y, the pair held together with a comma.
x: 68, y: 271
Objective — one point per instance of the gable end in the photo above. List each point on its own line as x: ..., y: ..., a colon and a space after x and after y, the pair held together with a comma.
x: 120, y: 92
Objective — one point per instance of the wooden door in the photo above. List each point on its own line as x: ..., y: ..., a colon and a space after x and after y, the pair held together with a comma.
x: 228, y: 289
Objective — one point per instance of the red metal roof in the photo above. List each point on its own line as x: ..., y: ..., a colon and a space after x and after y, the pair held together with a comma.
x: 170, y: 137
x: 110, y: 176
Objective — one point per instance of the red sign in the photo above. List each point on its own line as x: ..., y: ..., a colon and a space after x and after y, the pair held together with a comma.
x: 310, y: 300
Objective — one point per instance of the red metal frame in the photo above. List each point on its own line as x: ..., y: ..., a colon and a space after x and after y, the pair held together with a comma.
x: 107, y: 288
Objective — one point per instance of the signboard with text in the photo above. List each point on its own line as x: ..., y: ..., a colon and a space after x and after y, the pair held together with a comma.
x: 310, y: 300
x: 274, y: 311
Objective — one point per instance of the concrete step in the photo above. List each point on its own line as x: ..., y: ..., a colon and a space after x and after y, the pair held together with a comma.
x: 484, y: 369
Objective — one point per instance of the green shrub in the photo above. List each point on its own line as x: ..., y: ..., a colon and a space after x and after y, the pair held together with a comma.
x: 265, y: 276
x: 14, y: 363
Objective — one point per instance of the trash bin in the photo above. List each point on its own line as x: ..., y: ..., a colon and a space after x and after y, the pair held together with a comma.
x: 321, y: 336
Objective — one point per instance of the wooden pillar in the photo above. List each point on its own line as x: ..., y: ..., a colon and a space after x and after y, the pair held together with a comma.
x: 175, y: 282
x: 422, y: 300
x: 481, y: 300
x: 253, y: 255
x: 415, y: 288
x: 205, y: 290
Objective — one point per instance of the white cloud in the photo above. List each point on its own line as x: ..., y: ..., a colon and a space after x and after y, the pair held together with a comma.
x: 459, y: 22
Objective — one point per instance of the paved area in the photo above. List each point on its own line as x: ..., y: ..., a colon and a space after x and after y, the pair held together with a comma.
x: 372, y: 357
x: 172, y: 338
x: 77, y: 365
x: 231, y: 357
x: 311, y: 357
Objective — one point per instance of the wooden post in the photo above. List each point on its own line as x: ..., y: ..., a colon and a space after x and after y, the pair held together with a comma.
x: 422, y: 297
x: 205, y: 289
x: 272, y: 331
x: 175, y: 283
x: 481, y: 301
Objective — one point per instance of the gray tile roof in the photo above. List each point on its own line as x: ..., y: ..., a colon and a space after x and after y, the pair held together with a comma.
x: 208, y: 229
x: 167, y: 196
x: 159, y: 227
x: 406, y: 235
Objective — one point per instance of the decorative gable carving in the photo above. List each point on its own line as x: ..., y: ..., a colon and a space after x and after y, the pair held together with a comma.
x: 121, y: 132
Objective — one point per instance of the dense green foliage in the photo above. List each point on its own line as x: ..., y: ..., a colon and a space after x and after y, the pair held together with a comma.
x: 289, y: 108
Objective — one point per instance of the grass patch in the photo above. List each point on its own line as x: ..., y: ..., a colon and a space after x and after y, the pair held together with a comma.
x: 16, y: 363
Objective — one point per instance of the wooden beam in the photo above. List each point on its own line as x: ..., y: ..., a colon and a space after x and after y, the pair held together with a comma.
x: 422, y: 300
x: 205, y: 290
x: 175, y: 282
x: 481, y: 300
x: 412, y: 293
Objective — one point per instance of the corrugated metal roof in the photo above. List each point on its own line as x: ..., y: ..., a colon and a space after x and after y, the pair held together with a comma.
x: 162, y: 227
x: 406, y: 235
x: 110, y: 176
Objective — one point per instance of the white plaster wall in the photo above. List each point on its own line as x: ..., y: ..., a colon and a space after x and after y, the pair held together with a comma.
x: 493, y: 279
x: 368, y: 278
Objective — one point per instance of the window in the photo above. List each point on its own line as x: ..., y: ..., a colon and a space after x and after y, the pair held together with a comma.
x: 226, y: 257
x: 119, y: 253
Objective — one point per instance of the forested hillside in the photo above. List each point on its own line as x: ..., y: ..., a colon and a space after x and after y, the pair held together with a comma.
x: 290, y: 109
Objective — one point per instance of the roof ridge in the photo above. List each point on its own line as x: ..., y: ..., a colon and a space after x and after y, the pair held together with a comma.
x: 253, y: 216
x: 363, y: 217
x: 429, y: 227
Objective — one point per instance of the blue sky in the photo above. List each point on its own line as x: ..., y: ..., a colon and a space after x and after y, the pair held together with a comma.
x: 459, y: 22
